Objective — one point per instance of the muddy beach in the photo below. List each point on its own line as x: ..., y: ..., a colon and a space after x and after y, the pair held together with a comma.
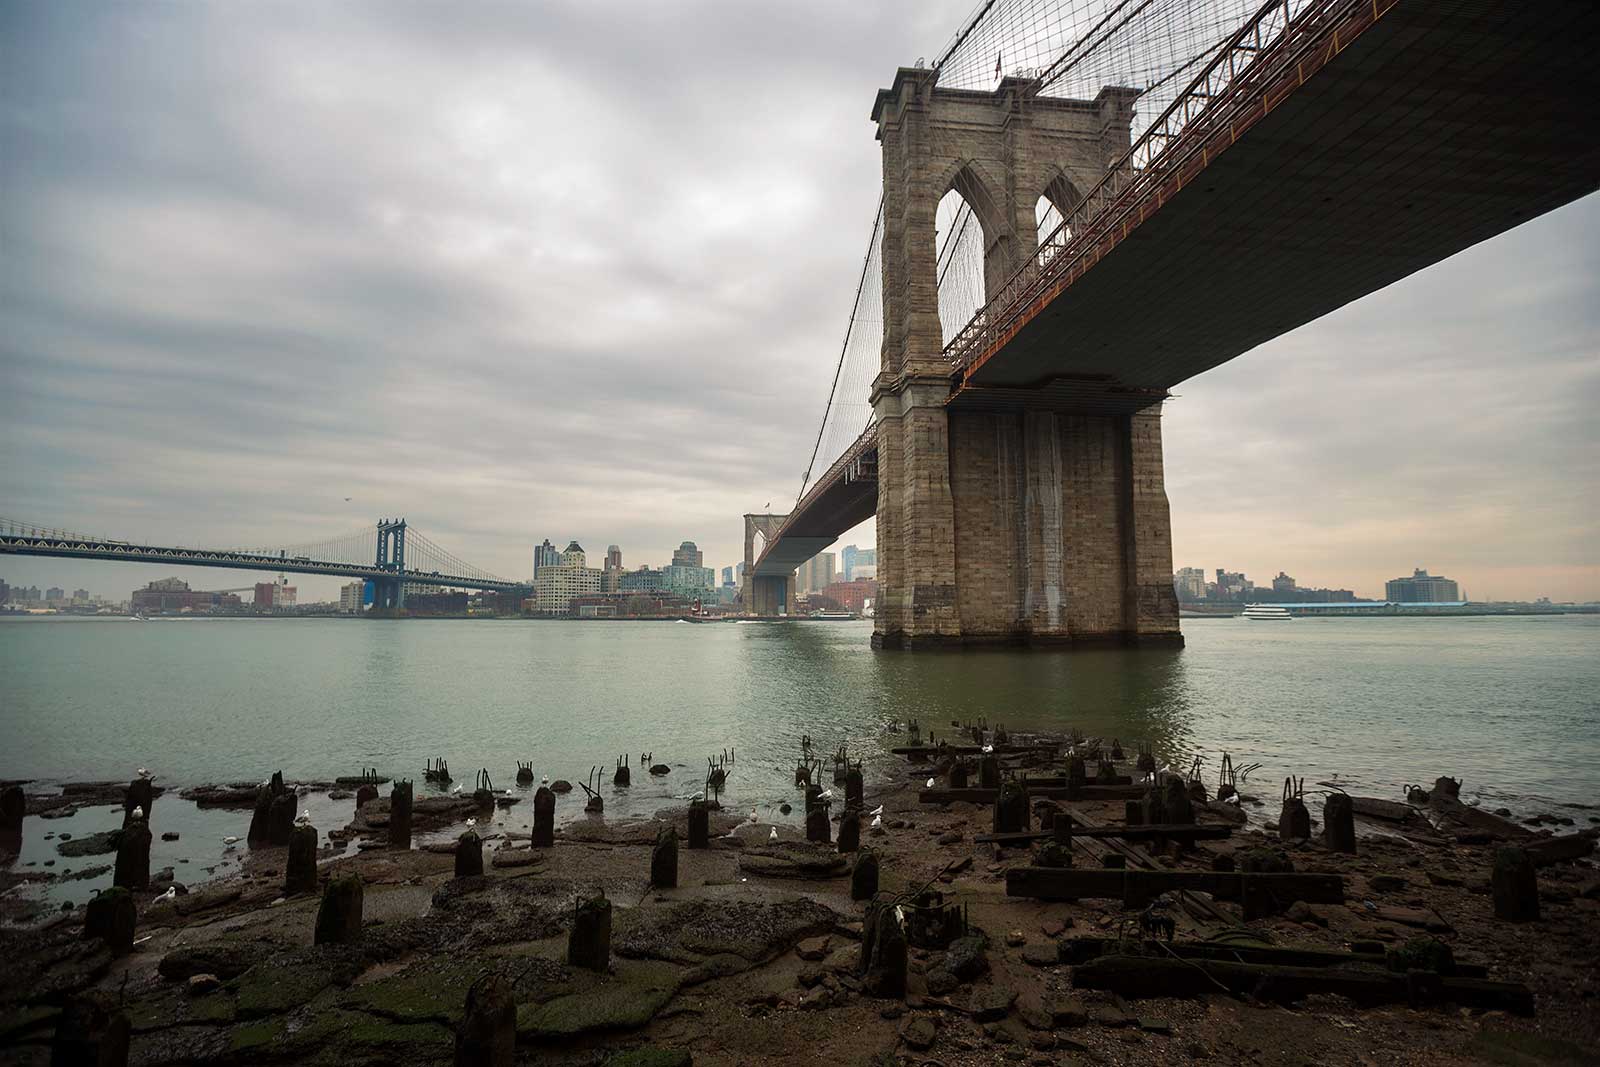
x: 1052, y: 900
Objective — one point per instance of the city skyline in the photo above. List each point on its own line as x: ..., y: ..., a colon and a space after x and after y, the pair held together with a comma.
x: 389, y: 340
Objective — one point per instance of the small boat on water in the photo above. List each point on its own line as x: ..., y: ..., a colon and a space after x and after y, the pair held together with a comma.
x: 1265, y: 613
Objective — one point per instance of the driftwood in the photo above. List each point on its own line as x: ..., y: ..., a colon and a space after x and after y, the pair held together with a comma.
x: 987, y: 796
x: 1169, y: 831
x: 1143, y: 976
x: 1081, y: 950
x: 1262, y: 893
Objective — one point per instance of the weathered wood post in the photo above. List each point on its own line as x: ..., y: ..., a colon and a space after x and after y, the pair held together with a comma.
x: 259, y: 818
x: 280, y: 819
x: 1152, y: 806
x: 400, y: 814
x: 1515, y: 885
x: 623, y: 776
x: 487, y: 1036
x: 524, y: 773
x: 1011, y: 808
x: 1178, y: 807
x: 958, y: 774
x: 699, y: 824
x: 300, y: 872
x: 133, y: 857
x: 366, y: 794
x: 1294, y: 821
x: 339, y: 915
x: 92, y: 1033
x: 140, y: 794
x: 850, y: 830
x: 854, y: 788
x: 664, y: 859
x: 469, y: 854
x: 818, y: 828
x: 1077, y: 774
x: 544, y: 818
x: 884, y: 952
x: 864, y: 876
x: 13, y: 806
x: 589, y: 944
x: 111, y: 917
x: 1339, y: 823
x: 989, y: 772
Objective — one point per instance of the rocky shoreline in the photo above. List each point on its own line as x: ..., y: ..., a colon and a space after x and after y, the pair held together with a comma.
x: 1041, y: 902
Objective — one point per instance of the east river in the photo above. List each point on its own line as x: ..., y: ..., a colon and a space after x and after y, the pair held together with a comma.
x: 1509, y: 705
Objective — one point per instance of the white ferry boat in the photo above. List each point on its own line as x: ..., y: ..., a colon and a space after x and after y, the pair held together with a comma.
x: 1264, y: 613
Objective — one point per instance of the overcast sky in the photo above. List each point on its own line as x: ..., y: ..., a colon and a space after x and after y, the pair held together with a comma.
x: 532, y: 270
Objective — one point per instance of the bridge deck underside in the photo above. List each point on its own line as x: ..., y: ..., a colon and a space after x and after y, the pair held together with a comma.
x: 1442, y: 125
x: 837, y: 505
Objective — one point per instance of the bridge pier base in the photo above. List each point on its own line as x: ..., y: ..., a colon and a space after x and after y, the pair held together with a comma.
x: 1020, y: 527
x: 771, y: 596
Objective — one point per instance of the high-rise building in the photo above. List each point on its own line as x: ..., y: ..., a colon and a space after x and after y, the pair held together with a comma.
x: 1422, y: 588
x: 727, y: 576
x: 816, y: 573
x: 1190, y: 583
x: 614, y: 557
x: 852, y: 558
x: 556, y: 585
x: 54, y: 595
x: 80, y: 594
x: 545, y: 555
x: 1282, y: 583
x: 352, y: 597
x: 688, y: 555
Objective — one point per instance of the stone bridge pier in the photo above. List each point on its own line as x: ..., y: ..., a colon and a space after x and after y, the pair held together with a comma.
x: 1028, y: 519
x: 767, y: 595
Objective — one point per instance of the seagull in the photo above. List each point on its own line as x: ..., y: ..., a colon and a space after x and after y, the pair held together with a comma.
x: 877, y: 822
x: 900, y: 914
x: 930, y: 783
x: 138, y: 812
x: 545, y: 780
x: 988, y: 749
x: 753, y: 815
x: 142, y: 773
x: 773, y: 836
x: 305, y: 818
x: 230, y: 840
x: 471, y: 823
x: 877, y: 810
x: 457, y: 789
x: 170, y: 894
x: 826, y: 794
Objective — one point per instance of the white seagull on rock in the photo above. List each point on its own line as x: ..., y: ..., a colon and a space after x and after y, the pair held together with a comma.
x: 877, y: 810
x: 144, y: 773
x: 170, y: 894
x: 138, y: 812
x: 987, y: 749
x: 305, y: 818
x: 877, y: 822
x: 471, y: 823
x: 773, y: 836
x: 753, y: 816
x: 930, y: 783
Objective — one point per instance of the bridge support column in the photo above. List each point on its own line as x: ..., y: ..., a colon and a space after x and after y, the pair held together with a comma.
x: 1032, y: 527
x: 770, y: 596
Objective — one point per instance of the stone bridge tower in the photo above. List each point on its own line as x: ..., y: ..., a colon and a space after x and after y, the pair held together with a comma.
x: 1037, y: 523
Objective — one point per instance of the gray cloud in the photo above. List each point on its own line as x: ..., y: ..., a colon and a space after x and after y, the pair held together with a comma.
x: 523, y: 271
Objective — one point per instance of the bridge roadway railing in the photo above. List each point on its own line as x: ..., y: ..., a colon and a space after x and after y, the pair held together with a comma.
x: 1282, y: 45
x: 867, y: 442
x: 72, y: 547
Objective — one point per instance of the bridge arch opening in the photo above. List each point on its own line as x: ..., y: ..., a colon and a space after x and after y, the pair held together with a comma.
x: 1058, y: 200
x: 974, y: 250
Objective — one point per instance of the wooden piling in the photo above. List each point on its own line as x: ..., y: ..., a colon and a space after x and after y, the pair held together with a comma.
x: 339, y: 915
x: 400, y: 814
x: 300, y: 871
x: 589, y: 943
